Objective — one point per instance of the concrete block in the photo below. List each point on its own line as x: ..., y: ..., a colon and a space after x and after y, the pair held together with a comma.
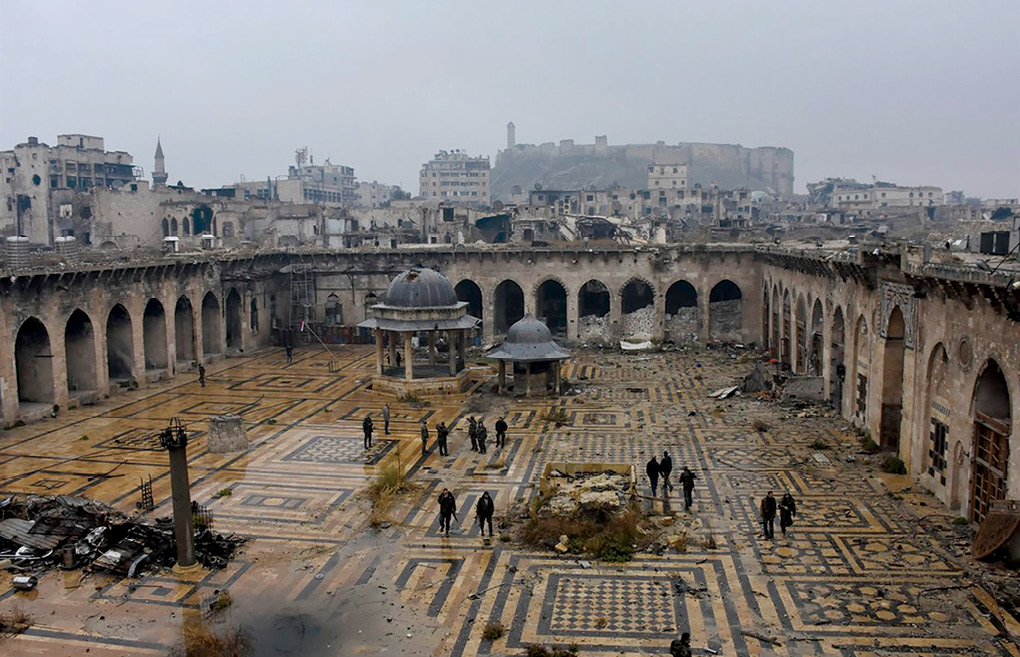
x: 227, y: 434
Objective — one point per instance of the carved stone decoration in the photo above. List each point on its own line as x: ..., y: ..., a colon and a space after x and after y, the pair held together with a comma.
x: 897, y: 294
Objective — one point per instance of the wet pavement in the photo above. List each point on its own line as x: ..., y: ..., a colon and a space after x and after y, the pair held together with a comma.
x: 855, y: 577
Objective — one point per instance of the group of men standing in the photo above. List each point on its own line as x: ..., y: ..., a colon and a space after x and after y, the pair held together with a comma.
x: 664, y: 468
x: 476, y: 432
x: 484, y: 510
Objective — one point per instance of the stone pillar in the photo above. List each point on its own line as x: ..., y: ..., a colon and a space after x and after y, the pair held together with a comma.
x: 391, y: 341
x: 558, y: 381
x: 572, y: 317
x: 379, y: 350
x: 451, y: 339
x: 180, y: 488
x: 527, y: 379
x: 408, y: 357
x: 432, y: 347
x: 461, y: 340
x: 658, y: 318
x: 502, y: 377
x: 227, y: 434
x: 704, y: 315
x: 197, y: 330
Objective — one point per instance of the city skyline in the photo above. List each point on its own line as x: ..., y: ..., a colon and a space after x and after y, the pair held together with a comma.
x: 899, y: 92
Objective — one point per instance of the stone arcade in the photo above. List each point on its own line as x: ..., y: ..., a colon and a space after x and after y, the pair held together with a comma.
x: 924, y: 356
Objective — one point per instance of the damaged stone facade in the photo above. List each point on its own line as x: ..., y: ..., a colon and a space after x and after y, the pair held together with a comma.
x: 925, y: 357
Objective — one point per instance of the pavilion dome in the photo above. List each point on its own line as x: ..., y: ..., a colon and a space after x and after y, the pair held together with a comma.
x: 528, y: 330
x: 420, y: 287
x: 529, y: 339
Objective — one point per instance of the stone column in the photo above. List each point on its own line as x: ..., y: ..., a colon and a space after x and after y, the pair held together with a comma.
x: 451, y: 339
x: 379, y: 351
x: 558, y: 380
x: 391, y: 341
x: 461, y: 340
x: 502, y: 376
x: 572, y: 317
x: 432, y: 347
x: 704, y: 314
x: 658, y: 317
x: 527, y: 379
x: 408, y: 357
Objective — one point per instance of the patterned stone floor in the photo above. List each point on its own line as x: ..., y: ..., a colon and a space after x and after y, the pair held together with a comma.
x: 855, y: 578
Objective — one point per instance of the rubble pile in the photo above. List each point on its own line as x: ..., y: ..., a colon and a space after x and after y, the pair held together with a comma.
x: 725, y: 319
x: 640, y: 323
x: 593, y: 328
x: 40, y: 532
x: 587, y: 492
x: 683, y: 327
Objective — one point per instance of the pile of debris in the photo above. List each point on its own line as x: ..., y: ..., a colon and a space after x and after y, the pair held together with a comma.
x: 40, y: 532
x: 593, y: 328
x: 639, y: 324
x: 587, y: 492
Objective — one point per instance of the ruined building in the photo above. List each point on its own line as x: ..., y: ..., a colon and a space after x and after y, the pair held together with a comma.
x: 39, y: 182
x: 922, y: 353
x: 455, y: 177
x: 520, y: 167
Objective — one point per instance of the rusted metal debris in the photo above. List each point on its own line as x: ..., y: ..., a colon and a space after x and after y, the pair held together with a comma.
x: 40, y: 532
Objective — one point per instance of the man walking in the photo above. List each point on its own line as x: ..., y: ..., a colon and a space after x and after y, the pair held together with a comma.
x: 290, y: 353
x: 366, y: 426
x: 447, y: 510
x: 201, y: 374
x: 652, y: 468
x: 666, y: 467
x: 687, y: 483
x: 501, y: 428
x: 473, y: 433
x: 483, y: 433
x: 424, y: 438
x: 768, y: 515
x: 787, y: 510
x: 485, y: 509
x: 386, y: 419
x: 442, y: 434
x: 681, y: 647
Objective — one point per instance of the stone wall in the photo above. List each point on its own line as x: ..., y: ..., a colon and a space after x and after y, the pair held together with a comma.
x: 684, y: 327
x: 639, y: 324
x: 593, y: 329
x: 725, y: 320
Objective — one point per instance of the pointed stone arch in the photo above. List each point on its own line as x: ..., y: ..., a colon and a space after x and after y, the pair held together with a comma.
x: 120, y: 349
x: 683, y: 316
x: 211, y: 325
x: 507, y: 305
x: 551, y: 304
x: 992, y: 411
x: 154, y: 336
x: 184, y: 330
x: 469, y: 291
x: 33, y: 360
x: 234, y: 320
x: 725, y: 312
x: 80, y: 354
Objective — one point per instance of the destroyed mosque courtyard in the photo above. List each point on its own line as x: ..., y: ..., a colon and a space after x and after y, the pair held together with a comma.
x: 876, y: 384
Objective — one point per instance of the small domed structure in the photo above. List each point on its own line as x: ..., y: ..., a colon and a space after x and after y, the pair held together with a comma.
x: 419, y: 301
x: 420, y: 288
x: 531, y: 350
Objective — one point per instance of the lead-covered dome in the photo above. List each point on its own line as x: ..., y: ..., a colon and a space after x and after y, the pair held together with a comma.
x: 528, y: 330
x: 420, y: 288
x: 529, y: 339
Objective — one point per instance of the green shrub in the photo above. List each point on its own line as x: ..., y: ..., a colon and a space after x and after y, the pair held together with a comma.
x: 493, y: 631
x: 894, y: 465
x: 819, y: 445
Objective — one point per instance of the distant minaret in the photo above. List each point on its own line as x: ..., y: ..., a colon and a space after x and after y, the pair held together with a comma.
x: 511, y: 138
x: 159, y: 172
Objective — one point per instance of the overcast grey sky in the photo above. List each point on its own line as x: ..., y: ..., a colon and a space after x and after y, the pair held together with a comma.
x: 915, y: 92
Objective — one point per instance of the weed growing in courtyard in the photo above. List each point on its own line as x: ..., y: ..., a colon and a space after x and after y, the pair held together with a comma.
x: 538, y: 650
x: 390, y: 482
x: 760, y: 426
x: 894, y: 465
x: 607, y: 536
x: 203, y: 640
x: 557, y: 416
x: 493, y: 631
x: 221, y: 601
x: 819, y: 445
x: 15, y: 621
x: 224, y: 492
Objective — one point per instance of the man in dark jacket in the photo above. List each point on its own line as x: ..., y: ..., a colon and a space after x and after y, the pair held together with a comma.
x: 473, y: 433
x: 652, y: 468
x: 665, y: 467
x: 681, y: 647
x: 447, y: 510
x: 366, y: 426
x: 482, y: 434
x: 501, y: 428
x: 442, y: 434
x: 386, y: 419
x: 768, y: 515
x: 424, y: 438
x: 687, y: 483
x: 485, y: 509
x: 787, y: 510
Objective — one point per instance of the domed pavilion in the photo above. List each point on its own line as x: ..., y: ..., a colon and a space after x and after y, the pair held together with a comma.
x: 533, y: 356
x: 419, y: 302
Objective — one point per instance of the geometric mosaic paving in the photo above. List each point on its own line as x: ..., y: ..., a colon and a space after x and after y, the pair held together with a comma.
x: 340, y: 449
x: 620, y: 606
